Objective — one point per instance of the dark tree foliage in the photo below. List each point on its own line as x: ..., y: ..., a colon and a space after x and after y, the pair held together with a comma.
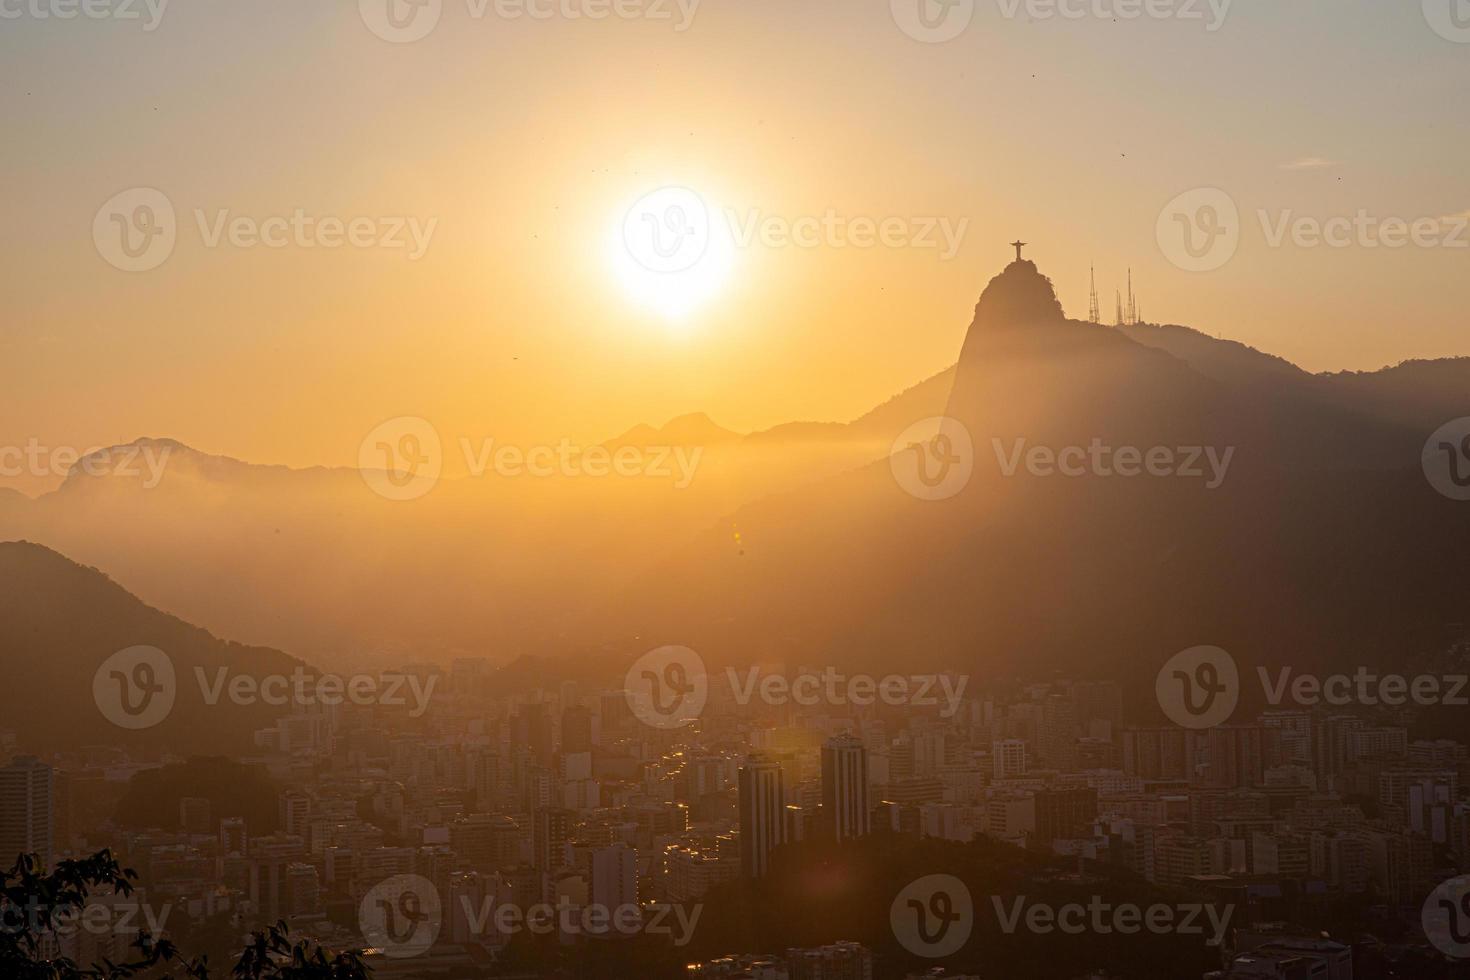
x: 35, y: 902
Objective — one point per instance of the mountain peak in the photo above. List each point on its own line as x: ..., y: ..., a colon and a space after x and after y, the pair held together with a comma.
x: 1019, y: 295
x: 696, y: 428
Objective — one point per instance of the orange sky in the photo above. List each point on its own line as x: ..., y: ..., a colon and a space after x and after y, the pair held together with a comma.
x: 524, y: 142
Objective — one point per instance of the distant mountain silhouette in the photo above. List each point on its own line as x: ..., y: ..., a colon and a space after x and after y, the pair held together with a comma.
x: 696, y: 429
x: 1323, y: 545
x: 59, y: 621
x: 1324, y: 541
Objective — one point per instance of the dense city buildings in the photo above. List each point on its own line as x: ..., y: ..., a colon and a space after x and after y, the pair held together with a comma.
x: 560, y: 798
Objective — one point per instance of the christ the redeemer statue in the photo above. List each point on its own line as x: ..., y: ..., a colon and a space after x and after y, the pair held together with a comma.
x: 1018, y: 245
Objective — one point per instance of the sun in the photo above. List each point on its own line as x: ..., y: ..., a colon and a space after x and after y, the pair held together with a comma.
x: 672, y: 252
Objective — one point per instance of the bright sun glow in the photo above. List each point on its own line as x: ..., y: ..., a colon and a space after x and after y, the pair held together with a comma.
x: 672, y: 251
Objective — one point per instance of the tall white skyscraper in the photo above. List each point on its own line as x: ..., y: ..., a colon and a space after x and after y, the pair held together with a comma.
x: 27, y: 793
x: 762, y: 813
x: 845, y: 803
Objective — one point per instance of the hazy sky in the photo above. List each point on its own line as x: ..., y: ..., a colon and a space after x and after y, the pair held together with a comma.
x: 524, y: 142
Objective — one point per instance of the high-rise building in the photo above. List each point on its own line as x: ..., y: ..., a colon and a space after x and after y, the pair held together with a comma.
x: 232, y: 835
x: 1008, y: 758
x: 1156, y: 753
x: 1057, y: 736
x: 303, y: 890
x: 614, y: 877
x: 486, y: 779
x: 294, y: 809
x: 1064, y: 812
x: 26, y: 795
x: 553, y: 828
x: 576, y: 729
x: 270, y: 859
x: 845, y: 802
x: 762, y: 813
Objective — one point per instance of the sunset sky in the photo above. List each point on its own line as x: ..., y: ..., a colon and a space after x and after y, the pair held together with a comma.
x: 516, y: 323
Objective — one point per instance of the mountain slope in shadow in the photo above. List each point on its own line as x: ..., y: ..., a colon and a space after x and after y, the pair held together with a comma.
x: 1321, y: 543
x: 60, y: 622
